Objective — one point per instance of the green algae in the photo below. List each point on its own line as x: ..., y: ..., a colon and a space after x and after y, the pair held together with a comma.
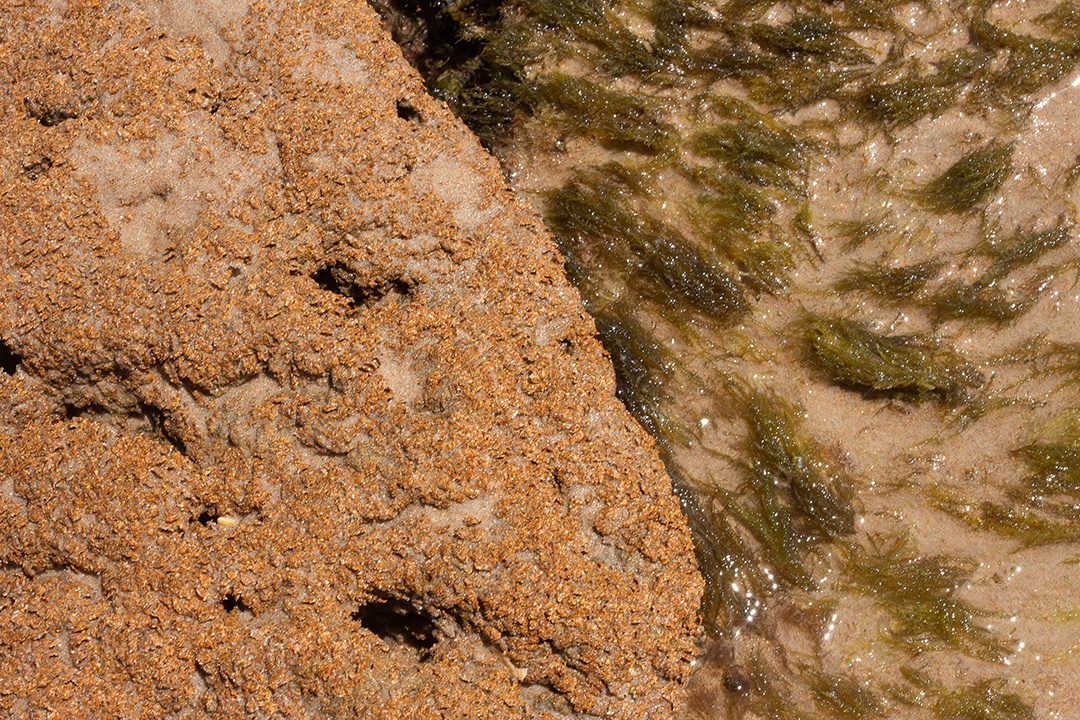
x: 489, y: 90
x: 904, y: 102
x: 790, y: 65
x: 844, y: 698
x: 730, y: 215
x: 894, y: 285
x: 793, y: 497
x: 1054, y: 466
x: 783, y: 541
x: 751, y: 146
x: 592, y: 209
x: 919, y: 595
x: 1023, y: 524
x: 1044, y: 511
x: 673, y: 20
x: 810, y: 35
x: 592, y: 23
x: 870, y: 226
x: 988, y: 298
x: 769, y: 696
x: 970, y: 181
x: 613, y: 119
x: 1032, y: 62
x: 1021, y: 249
x: 783, y: 454
x: 1063, y: 20
x: 977, y: 301
x: 985, y: 700
x: 642, y: 367
x: 726, y: 561
x: 801, y: 84
x: 911, y: 367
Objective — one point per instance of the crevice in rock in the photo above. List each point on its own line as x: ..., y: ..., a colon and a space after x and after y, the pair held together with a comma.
x: 9, y: 359
x: 72, y: 411
x: 399, y: 623
x: 449, y: 44
x: 199, y: 680
x: 362, y: 293
x: 424, y: 29
x: 159, y: 422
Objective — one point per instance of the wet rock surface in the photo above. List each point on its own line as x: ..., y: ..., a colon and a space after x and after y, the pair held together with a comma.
x: 298, y: 415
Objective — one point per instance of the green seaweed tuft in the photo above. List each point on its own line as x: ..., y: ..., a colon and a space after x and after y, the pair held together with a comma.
x: 642, y: 366
x: 910, y: 367
x: 783, y: 453
x: 1032, y: 62
x: 730, y: 217
x: 844, y: 698
x: 751, y: 146
x: 868, y: 227
x: 731, y: 573
x: 985, y: 700
x: 1028, y: 527
x: 970, y: 181
x: 1063, y: 21
x: 919, y: 595
x: 1022, y: 249
x: 985, y: 301
x: 613, y: 119
x: 810, y: 34
x: 594, y: 210
x: 903, y: 102
x: 894, y: 285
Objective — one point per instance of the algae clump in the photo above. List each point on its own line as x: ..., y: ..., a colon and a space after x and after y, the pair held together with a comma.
x: 985, y: 700
x: 910, y: 366
x: 781, y: 450
x: 919, y: 594
x: 971, y: 180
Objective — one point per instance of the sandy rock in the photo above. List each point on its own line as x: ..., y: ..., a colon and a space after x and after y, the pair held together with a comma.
x: 299, y: 417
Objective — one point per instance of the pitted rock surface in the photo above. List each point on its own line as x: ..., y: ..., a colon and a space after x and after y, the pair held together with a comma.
x: 298, y: 416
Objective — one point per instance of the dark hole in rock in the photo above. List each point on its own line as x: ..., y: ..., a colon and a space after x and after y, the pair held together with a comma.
x: 398, y: 622
x: 9, y: 359
x: 406, y: 111
x: 48, y: 117
x: 206, y: 517
x: 37, y: 168
x: 55, y: 117
x: 340, y: 280
x: 231, y: 602
x: 160, y: 424
x: 72, y: 411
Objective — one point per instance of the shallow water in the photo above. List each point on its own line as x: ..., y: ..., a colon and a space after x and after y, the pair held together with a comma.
x: 831, y: 249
